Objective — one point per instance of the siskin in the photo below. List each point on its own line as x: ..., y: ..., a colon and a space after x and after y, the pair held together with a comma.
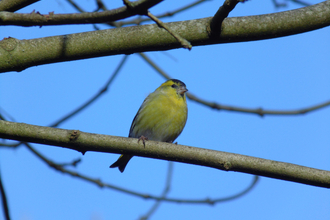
x: 161, y: 117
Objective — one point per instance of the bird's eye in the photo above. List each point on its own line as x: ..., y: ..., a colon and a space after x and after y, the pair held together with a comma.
x: 174, y: 86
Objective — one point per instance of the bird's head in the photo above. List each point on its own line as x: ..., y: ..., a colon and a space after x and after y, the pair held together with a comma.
x: 174, y: 85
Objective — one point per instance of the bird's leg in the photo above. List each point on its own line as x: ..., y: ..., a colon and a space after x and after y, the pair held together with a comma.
x: 144, y: 139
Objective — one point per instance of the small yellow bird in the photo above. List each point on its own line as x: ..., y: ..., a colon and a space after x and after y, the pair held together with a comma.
x: 161, y: 117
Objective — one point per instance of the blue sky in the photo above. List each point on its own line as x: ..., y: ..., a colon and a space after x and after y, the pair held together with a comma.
x: 281, y: 74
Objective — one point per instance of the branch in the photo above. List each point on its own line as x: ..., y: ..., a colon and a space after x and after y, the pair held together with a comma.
x: 94, y: 98
x: 164, y: 193
x: 17, y: 55
x: 10, y: 145
x: 278, y: 5
x: 221, y: 14
x: 214, y: 105
x: 4, y: 200
x: 140, y: 20
x: 301, y: 2
x: 81, y: 141
x: 76, y: 6
x: 37, y: 19
x: 259, y: 111
x: 101, y: 184
x: 183, y: 42
x: 14, y: 5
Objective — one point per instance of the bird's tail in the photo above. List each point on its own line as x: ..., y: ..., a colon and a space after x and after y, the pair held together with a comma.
x: 121, y: 162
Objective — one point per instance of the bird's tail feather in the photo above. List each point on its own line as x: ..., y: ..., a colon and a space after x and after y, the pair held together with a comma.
x: 121, y: 162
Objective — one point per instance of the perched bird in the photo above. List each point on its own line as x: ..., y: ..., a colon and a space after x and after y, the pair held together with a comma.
x: 161, y: 117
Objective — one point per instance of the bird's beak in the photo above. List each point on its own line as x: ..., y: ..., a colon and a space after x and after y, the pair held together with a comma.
x: 182, y: 90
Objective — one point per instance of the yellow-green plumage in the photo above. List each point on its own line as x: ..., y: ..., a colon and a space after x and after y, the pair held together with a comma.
x: 161, y: 117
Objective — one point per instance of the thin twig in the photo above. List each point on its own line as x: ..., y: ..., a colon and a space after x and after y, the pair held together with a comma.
x: 163, y: 195
x: 100, y: 5
x: 182, y: 41
x: 101, y: 184
x: 11, y: 145
x: 185, y: 44
x: 141, y: 20
x: 37, y: 19
x: 95, y: 97
x: 301, y: 2
x: 284, y: 4
x: 76, y: 6
x: 74, y: 163
x: 4, y: 114
x: 258, y: 111
x: 154, y: 65
x: 4, y: 200
x: 278, y: 5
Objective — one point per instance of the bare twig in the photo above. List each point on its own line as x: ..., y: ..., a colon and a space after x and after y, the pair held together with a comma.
x: 4, y: 200
x: 75, y: 5
x: 214, y: 105
x: 221, y: 14
x: 163, y: 195
x: 11, y: 145
x: 4, y: 114
x: 154, y: 65
x: 182, y: 41
x: 284, y: 4
x: 95, y: 97
x: 140, y: 20
x: 301, y: 2
x: 259, y: 111
x: 100, y: 5
x: 185, y: 44
x: 78, y: 8
x: 37, y: 19
x: 101, y: 184
x: 73, y: 163
x: 278, y: 5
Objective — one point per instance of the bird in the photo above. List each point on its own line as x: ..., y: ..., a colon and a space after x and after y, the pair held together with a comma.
x: 161, y: 117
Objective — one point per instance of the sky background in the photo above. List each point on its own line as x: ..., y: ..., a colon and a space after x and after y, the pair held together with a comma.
x: 280, y: 74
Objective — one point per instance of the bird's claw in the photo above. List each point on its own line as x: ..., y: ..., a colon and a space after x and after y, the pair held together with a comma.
x: 144, y: 139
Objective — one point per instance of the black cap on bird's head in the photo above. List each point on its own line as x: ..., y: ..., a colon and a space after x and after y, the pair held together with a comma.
x: 178, y: 82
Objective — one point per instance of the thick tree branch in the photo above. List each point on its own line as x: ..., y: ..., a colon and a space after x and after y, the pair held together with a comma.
x: 37, y: 19
x: 17, y: 55
x: 14, y: 5
x: 81, y: 141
